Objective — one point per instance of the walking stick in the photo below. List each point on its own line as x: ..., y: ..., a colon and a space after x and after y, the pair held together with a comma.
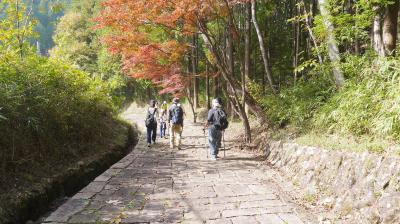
x: 205, y: 141
x: 223, y: 140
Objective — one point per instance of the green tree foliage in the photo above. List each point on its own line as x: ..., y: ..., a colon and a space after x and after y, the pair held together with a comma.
x: 16, y: 26
x: 76, y: 42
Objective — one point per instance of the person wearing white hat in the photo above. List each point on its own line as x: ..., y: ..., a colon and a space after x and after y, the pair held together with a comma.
x: 217, y: 122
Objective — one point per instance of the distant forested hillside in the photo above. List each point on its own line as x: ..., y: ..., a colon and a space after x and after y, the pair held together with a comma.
x: 46, y: 13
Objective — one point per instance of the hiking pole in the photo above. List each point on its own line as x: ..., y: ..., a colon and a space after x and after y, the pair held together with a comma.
x: 223, y: 140
x: 205, y: 141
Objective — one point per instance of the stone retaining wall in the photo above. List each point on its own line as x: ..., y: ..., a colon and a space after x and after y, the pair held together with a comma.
x: 354, y: 187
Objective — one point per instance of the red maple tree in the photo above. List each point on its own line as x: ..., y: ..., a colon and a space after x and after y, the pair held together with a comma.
x: 151, y: 35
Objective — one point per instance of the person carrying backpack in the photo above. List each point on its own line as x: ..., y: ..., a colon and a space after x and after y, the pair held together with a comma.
x: 151, y: 123
x: 217, y: 122
x: 175, y: 122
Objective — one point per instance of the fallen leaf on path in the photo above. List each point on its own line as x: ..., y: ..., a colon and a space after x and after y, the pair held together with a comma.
x: 113, y: 202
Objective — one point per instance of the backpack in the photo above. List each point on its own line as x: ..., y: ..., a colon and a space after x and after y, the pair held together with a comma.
x: 177, y: 115
x: 220, y: 119
x: 150, y: 119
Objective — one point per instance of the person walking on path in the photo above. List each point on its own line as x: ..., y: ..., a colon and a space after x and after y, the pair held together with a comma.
x: 163, y: 123
x: 164, y: 107
x: 217, y: 122
x: 151, y: 123
x: 175, y: 122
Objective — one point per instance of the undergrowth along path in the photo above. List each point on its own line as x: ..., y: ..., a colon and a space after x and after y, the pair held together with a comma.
x: 160, y: 185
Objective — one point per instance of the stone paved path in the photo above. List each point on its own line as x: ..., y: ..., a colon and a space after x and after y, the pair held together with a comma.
x: 160, y: 185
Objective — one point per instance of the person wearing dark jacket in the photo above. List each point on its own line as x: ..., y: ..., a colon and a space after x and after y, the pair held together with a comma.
x: 214, y: 133
x: 151, y: 122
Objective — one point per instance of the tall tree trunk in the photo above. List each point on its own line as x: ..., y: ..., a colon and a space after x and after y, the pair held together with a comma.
x: 310, y: 31
x: 390, y: 28
x: 247, y: 54
x: 377, y: 33
x: 296, y: 45
x: 333, y: 49
x: 233, y: 84
x: 216, y: 87
x: 229, y: 52
x: 268, y: 71
x: 191, y: 105
x: 352, y: 9
x: 208, y: 104
x: 231, y: 91
x: 188, y: 94
x: 194, y: 70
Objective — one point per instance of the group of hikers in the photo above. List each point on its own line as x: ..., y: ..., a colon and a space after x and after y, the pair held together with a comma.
x: 172, y: 117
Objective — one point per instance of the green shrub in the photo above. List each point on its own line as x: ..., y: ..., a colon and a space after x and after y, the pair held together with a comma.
x: 49, y: 109
x: 296, y: 104
x: 368, y: 104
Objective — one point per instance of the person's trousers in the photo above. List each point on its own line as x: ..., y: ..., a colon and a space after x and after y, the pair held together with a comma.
x: 151, y: 134
x: 175, y: 133
x: 163, y: 127
x: 214, y: 140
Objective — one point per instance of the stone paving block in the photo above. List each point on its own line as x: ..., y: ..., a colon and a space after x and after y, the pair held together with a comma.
x: 121, y: 165
x: 173, y: 215
x: 143, y: 218
x: 241, y: 189
x: 200, y: 192
x: 269, y: 219
x: 244, y: 220
x: 198, y: 202
x: 83, y: 195
x: 242, y: 212
x: 157, y: 206
x: 224, y: 191
x: 103, y: 178
x: 54, y: 222
x: 221, y: 207
x: 219, y: 221
x: 146, y: 189
x: 260, y: 189
x: 290, y: 218
x: 164, y: 196
x: 257, y: 197
x: 111, y: 209
x: 192, y: 222
x: 84, y: 218
x: 202, y: 215
x: 261, y: 204
x: 95, y: 187
x: 225, y: 173
x: 71, y: 207
x: 94, y: 206
x: 279, y: 209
